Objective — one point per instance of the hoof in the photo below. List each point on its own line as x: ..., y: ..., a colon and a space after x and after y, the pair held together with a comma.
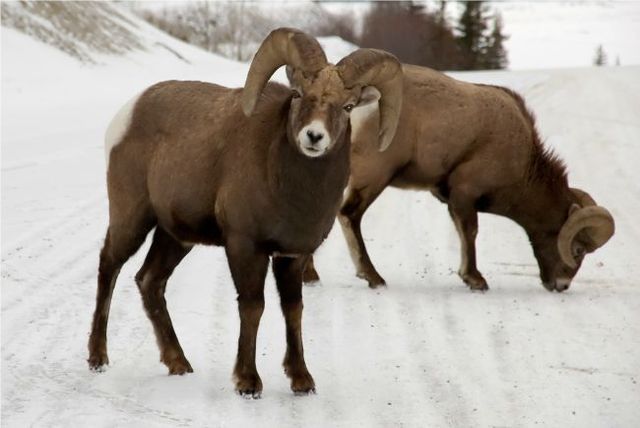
x: 249, y: 386
x: 179, y: 367
x: 303, y: 385
x: 250, y: 395
x: 375, y: 285
x: 310, y: 276
x: 475, y: 282
x: 176, y: 362
x: 301, y: 380
x: 374, y: 279
x: 98, y: 368
x: 98, y: 363
x: 312, y: 283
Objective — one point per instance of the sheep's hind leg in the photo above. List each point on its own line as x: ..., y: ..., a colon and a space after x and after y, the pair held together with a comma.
x: 353, y: 208
x: 465, y: 219
x: 310, y: 275
x: 121, y: 242
x: 288, y: 275
x: 248, y: 269
x: 164, y: 255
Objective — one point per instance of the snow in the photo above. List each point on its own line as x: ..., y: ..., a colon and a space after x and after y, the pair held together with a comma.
x: 336, y: 48
x: 566, y: 34
x: 422, y: 352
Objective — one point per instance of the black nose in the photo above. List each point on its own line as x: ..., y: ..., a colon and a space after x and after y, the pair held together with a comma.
x: 313, y: 137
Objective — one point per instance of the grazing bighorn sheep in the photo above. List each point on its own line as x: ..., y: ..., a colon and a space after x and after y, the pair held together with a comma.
x: 260, y: 171
x: 475, y: 147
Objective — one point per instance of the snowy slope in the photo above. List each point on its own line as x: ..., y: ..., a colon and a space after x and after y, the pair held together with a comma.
x: 423, y: 352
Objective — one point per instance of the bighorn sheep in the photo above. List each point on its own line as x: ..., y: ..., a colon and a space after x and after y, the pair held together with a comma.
x: 260, y: 171
x: 475, y: 147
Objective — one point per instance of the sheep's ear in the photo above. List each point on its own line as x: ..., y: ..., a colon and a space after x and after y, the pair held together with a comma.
x: 574, y: 208
x: 368, y: 96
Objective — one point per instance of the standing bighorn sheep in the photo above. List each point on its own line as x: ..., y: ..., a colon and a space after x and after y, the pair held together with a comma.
x: 475, y: 147
x: 260, y: 171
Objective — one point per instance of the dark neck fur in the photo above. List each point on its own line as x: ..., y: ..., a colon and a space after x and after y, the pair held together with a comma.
x: 541, y: 200
x: 308, y: 185
x: 308, y: 191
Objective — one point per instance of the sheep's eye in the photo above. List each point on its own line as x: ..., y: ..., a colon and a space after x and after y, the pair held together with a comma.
x: 579, y: 251
x: 348, y: 107
x: 295, y: 94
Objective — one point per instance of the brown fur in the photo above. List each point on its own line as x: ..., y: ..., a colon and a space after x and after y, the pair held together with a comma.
x: 192, y: 165
x: 476, y: 148
x: 544, y: 165
x: 248, y: 169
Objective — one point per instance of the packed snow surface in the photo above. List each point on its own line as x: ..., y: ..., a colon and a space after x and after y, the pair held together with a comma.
x: 424, y: 351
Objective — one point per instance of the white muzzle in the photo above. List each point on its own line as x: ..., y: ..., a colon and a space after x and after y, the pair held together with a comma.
x: 314, y: 139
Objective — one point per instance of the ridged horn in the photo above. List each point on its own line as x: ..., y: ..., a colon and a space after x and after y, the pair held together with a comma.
x: 283, y: 46
x: 595, y: 220
x: 583, y: 197
x: 373, y: 67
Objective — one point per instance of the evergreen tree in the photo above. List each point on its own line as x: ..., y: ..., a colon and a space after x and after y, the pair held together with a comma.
x: 441, y: 14
x: 495, y: 55
x: 472, y: 27
x: 601, y: 57
x: 413, y: 33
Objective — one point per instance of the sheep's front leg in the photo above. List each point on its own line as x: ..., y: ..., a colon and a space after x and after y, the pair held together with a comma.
x: 248, y: 270
x: 288, y: 274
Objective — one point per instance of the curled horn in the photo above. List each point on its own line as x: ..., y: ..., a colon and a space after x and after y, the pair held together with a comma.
x: 583, y: 197
x: 283, y: 46
x: 595, y: 220
x: 372, y: 67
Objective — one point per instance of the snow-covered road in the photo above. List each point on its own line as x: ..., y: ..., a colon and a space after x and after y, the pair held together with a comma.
x: 423, y: 352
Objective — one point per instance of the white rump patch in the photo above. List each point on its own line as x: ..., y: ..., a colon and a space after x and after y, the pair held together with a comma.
x: 119, y: 126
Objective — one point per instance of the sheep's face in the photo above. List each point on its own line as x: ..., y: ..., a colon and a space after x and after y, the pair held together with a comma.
x: 554, y: 273
x: 320, y: 110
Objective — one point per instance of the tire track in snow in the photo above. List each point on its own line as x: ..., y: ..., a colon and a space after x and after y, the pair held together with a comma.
x: 69, y: 217
x: 41, y: 295
x: 51, y: 274
x: 61, y: 381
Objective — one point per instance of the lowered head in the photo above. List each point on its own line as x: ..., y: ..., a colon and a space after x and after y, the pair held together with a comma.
x: 560, y: 254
